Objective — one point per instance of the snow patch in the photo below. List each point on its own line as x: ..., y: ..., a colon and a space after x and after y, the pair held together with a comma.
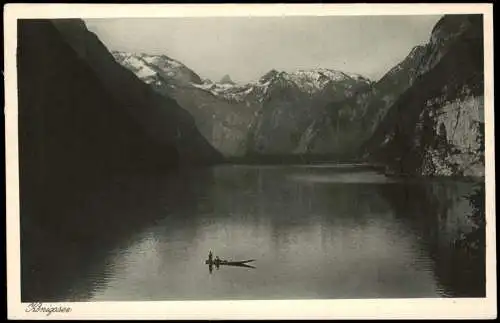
x: 147, y: 67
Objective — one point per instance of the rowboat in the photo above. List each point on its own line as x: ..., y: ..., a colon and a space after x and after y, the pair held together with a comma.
x: 228, y: 263
x: 242, y: 263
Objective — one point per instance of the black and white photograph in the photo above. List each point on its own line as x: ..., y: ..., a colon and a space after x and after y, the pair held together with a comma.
x: 246, y: 157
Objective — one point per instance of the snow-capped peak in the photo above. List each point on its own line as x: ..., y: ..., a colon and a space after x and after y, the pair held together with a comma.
x: 136, y: 64
x: 161, y: 69
x: 226, y: 79
x: 312, y: 80
x: 146, y: 66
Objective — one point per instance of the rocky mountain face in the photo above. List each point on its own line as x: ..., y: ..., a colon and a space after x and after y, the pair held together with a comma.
x: 423, y: 117
x: 269, y: 116
x: 293, y: 103
x: 436, y: 127
x: 349, y: 122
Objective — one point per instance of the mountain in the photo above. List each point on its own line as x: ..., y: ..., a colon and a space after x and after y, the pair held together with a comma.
x: 435, y: 94
x: 425, y: 116
x: 222, y: 118
x: 352, y: 120
x: 84, y: 118
x: 293, y: 102
x: 154, y: 68
x: 436, y: 127
x: 264, y: 117
x: 226, y: 79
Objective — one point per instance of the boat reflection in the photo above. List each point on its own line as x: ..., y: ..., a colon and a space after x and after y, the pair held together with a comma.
x: 218, y: 263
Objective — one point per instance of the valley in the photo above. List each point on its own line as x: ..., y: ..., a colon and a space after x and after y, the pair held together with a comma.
x: 132, y: 166
x: 327, y: 112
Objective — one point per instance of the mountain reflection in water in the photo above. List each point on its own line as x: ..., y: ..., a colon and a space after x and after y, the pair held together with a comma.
x: 316, y: 232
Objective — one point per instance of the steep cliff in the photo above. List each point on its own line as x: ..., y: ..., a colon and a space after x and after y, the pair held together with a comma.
x: 83, y: 117
x: 163, y: 120
x: 437, y: 126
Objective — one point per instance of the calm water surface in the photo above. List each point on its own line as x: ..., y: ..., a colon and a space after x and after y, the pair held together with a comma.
x: 334, y: 231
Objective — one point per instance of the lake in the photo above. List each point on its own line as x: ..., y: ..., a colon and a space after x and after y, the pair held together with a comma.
x: 315, y: 232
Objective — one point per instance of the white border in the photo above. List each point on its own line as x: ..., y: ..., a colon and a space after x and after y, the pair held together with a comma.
x: 321, y: 309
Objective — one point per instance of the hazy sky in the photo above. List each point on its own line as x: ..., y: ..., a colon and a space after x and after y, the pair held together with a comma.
x: 246, y: 48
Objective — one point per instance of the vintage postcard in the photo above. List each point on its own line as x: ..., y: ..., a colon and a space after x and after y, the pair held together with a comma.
x: 250, y: 161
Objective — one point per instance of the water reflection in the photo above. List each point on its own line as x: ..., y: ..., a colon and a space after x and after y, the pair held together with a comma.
x: 449, y: 216
x: 218, y: 265
x: 354, y: 235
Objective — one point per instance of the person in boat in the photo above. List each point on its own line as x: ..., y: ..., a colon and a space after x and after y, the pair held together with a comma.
x: 217, y: 261
x: 210, y: 257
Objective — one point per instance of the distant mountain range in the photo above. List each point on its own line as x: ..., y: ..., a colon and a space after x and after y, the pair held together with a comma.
x: 267, y: 116
x: 326, y: 111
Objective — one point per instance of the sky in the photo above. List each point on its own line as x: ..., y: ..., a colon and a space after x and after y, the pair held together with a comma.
x: 248, y: 47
